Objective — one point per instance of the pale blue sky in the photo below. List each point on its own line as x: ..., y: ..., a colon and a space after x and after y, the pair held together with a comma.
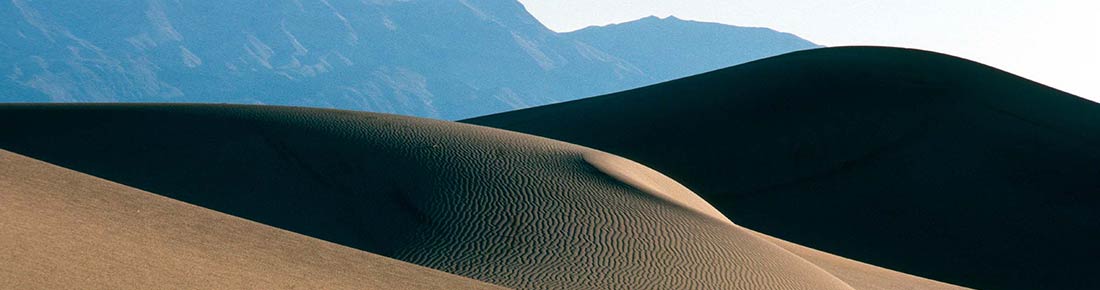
x: 1055, y: 42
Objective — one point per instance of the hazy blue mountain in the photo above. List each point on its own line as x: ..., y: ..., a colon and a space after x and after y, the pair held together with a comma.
x: 671, y: 48
x: 444, y: 59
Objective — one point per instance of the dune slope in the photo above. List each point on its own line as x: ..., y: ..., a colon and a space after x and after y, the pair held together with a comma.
x: 506, y: 208
x: 859, y: 275
x: 912, y: 160
x: 63, y: 229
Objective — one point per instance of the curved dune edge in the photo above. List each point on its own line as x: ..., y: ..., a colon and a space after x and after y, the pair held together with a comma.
x: 652, y: 182
x: 61, y: 229
x: 854, y: 274
x: 857, y: 274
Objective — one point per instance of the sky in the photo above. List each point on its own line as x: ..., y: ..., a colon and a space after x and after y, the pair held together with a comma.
x: 1054, y: 42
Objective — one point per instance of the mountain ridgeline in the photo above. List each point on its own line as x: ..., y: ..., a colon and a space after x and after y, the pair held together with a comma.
x: 672, y: 48
x: 441, y: 59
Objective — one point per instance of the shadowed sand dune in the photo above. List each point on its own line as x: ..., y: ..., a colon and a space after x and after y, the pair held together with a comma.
x: 506, y: 208
x: 916, y: 161
x: 61, y: 229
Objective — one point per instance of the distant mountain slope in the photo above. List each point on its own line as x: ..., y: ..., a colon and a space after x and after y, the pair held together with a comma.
x: 916, y: 161
x: 425, y: 58
x: 672, y: 48
x: 65, y: 229
x: 444, y: 59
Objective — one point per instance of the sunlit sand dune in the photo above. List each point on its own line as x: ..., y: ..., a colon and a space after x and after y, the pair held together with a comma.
x: 63, y: 229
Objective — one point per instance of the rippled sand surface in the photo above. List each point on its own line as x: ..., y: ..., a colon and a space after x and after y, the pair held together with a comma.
x: 505, y: 208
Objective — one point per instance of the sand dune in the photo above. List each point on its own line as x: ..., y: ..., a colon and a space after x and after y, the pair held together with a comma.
x: 61, y: 229
x: 506, y: 208
x: 911, y: 160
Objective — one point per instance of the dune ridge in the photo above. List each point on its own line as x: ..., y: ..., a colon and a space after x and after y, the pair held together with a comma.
x: 912, y: 160
x: 652, y: 182
x: 856, y: 274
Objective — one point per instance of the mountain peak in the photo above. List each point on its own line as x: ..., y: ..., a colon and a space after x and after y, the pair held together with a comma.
x: 657, y: 18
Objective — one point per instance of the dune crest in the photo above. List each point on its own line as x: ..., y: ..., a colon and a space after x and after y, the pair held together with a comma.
x: 652, y: 182
x: 857, y: 274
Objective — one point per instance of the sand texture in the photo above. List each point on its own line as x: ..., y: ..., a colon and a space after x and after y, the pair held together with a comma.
x: 61, y: 229
x: 915, y: 161
x: 506, y: 208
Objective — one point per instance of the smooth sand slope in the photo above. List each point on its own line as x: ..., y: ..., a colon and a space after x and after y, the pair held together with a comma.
x: 916, y: 161
x: 859, y: 275
x: 61, y: 229
x: 506, y: 208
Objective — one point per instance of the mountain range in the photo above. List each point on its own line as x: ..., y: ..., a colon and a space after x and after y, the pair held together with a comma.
x: 439, y: 59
